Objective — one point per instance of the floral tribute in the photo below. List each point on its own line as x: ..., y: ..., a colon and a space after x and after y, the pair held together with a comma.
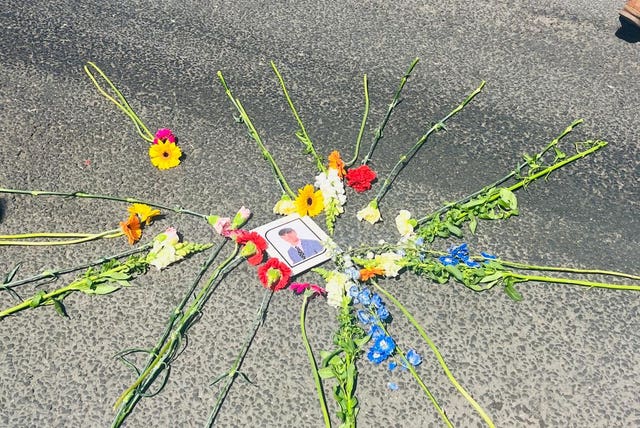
x: 355, y: 283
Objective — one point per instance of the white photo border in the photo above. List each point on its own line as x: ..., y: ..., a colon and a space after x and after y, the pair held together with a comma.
x: 306, y: 229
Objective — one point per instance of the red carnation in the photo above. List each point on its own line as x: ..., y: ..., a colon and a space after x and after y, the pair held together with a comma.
x: 274, y: 274
x: 254, y: 246
x: 360, y: 178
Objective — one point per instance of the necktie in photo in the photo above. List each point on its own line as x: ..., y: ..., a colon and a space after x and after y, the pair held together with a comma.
x: 300, y: 253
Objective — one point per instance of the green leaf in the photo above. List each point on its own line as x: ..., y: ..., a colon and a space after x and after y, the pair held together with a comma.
x: 326, y: 373
x: 453, y: 270
x: 59, y: 307
x: 117, y: 275
x: 473, y: 224
x: 9, y: 277
x: 36, y: 300
x: 509, y: 198
x: 493, y: 277
x: 455, y: 230
x: 101, y: 289
x: 512, y: 292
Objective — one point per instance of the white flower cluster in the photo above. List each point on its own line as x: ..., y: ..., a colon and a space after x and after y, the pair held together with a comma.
x: 331, y: 186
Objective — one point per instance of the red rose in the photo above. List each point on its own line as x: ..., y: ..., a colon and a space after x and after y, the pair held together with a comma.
x: 274, y: 274
x: 360, y: 178
x: 254, y: 246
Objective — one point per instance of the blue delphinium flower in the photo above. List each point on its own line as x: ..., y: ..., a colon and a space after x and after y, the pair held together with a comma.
x: 385, y: 344
x: 365, y: 297
x: 353, y: 273
x: 376, y: 300
x: 375, y: 355
x: 353, y: 293
x: 375, y: 331
x: 383, y: 313
x: 448, y: 260
x: 393, y: 386
x: 419, y: 241
x: 392, y: 365
x: 488, y: 256
x: 414, y: 358
x: 471, y: 263
x: 365, y: 317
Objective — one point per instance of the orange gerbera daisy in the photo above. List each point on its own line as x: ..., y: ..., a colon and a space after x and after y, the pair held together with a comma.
x: 370, y: 272
x: 309, y: 201
x: 131, y: 228
x: 336, y: 162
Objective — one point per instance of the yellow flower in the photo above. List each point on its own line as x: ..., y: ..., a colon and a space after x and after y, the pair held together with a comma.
x: 165, y: 155
x: 369, y: 213
x: 403, y: 223
x: 145, y: 212
x: 284, y: 206
x: 309, y: 201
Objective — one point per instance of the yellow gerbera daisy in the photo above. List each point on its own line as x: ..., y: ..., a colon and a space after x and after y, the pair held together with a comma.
x: 145, y: 212
x: 309, y: 201
x: 165, y: 155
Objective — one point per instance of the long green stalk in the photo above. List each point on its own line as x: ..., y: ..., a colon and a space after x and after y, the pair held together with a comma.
x: 405, y: 158
x: 583, y: 283
x: 176, y: 210
x: 235, y: 366
x: 179, y: 323
x: 53, y: 274
x: 379, y: 132
x: 312, y: 361
x: 114, y: 233
x: 302, y: 133
x: 121, y: 103
x: 438, y: 355
x: 365, y: 115
x: 253, y: 132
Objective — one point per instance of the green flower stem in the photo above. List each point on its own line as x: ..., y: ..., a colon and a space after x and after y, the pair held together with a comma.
x: 179, y: 323
x: 438, y: 355
x: 597, y: 145
x: 302, y: 134
x: 523, y: 278
x: 235, y: 367
x: 113, y: 233
x: 176, y: 210
x: 53, y: 274
x: 312, y: 360
x: 121, y: 103
x: 365, y: 115
x: 404, y: 159
x: 244, y: 117
x: 564, y: 269
x: 418, y: 379
x: 48, y: 298
x: 394, y: 102
x: 507, y: 177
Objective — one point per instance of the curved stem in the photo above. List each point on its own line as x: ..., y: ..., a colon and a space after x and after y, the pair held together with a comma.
x: 365, y: 115
x: 394, y: 102
x: 404, y: 159
x: 312, y: 361
x: 548, y: 279
x: 121, y: 103
x: 113, y: 233
x: 244, y: 117
x: 176, y: 210
x: 179, y: 324
x: 418, y: 379
x: 565, y: 269
x: 438, y: 355
x: 233, y: 371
